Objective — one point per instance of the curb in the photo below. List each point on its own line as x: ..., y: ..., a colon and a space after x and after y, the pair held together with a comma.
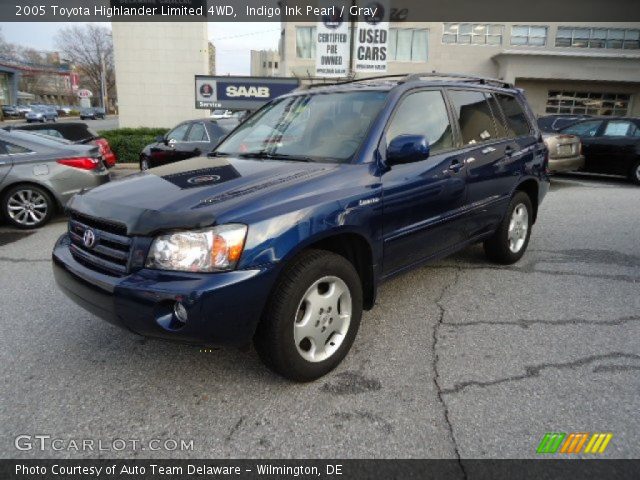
x: 126, y: 166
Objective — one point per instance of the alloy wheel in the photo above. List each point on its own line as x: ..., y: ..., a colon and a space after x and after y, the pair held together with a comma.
x: 518, y: 227
x: 322, y: 319
x: 27, y: 207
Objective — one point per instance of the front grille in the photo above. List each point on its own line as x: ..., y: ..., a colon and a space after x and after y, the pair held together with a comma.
x: 110, y: 250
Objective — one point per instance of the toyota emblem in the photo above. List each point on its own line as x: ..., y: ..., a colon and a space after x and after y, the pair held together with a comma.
x: 89, y: 238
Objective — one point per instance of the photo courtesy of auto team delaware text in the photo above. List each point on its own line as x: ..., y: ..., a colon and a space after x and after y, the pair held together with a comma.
x: 238, y: 239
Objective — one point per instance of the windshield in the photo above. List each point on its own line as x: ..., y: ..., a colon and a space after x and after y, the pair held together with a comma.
x: 312, y: 127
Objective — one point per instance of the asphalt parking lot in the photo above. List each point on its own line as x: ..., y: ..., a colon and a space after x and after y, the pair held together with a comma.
x: 459, y: 358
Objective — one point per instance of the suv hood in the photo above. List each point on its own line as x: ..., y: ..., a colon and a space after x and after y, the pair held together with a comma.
x: 191, y: 193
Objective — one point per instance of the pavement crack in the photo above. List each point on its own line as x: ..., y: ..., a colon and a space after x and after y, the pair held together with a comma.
x: 532, y: 371
x: 235, y: 428
x: 436, y: 359
x: 524, y: 323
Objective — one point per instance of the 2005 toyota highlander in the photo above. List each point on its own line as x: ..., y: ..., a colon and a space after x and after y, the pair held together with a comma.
x: 284, y: 233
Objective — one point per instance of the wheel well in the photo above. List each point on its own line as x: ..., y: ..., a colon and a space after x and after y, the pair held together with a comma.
x: 530, y: 187
x: 56, y: 204
x: 356, y: 249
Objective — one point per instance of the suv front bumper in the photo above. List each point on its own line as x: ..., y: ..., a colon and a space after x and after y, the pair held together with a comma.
x: 223, y: 308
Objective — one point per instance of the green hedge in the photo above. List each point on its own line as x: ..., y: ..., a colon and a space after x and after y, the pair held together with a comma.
x: 127, y: 143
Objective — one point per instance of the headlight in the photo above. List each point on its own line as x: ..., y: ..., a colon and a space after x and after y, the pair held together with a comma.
x: 210, y: 250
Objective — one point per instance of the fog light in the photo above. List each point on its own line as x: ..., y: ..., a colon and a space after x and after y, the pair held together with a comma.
x: 180, y: 312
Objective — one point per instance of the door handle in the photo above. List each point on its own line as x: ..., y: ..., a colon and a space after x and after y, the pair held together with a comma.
x: 488, y: 150
x: 456, y: 166
x: 509, y: 150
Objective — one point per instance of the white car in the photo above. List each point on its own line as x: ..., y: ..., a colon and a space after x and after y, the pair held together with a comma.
x: 218, y: 114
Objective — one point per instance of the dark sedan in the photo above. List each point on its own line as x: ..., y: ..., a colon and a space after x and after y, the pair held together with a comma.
x: 92, y: 113
x: 189, y: 139
x: 610, y: 145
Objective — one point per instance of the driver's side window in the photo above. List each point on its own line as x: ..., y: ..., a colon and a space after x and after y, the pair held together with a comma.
x: 178, y: 133
x: 423, y: 113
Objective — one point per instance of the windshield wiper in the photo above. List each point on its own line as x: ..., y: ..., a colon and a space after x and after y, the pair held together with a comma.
x: 218, y: 154
x: 275, y: 156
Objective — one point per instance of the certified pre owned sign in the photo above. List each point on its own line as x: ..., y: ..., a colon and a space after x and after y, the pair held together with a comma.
x: 241, y: 93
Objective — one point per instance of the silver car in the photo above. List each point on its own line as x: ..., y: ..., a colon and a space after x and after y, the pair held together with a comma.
x: 39, y: 174
x: 42, y: 114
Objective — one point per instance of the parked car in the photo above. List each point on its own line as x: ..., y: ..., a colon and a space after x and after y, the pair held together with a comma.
x: 188, y: 139
x: 285, y: 233
x: 38, y: 175
x: 42, y: 114
x: 23, y: 109
x: 218, y: 114
x: 92, y: 113
x: 10, y: 111
x: 75, y: 132
x: 554, y: 123
x: 64, y: 109
x: 565, y: 152
x: 610, y: 145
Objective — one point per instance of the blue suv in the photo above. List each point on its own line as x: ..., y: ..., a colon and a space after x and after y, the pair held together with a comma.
x: 283, y: 234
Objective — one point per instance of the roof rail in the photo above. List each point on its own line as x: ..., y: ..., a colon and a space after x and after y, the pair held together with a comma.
x: 414, y: 77
x: 464, y: 78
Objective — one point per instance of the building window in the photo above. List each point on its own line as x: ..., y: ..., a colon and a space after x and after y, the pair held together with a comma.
x: 305, y: 42
x: 275, y: 65
x: 270, y: 64
x: 598, y: 38
x: 264, y: 64
x: 408, y: 44
x: 529, y: 35
x: 473, y: 33
x: 587, y: 103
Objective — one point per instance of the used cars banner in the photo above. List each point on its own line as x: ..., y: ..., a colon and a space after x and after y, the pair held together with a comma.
x: 372, y: 36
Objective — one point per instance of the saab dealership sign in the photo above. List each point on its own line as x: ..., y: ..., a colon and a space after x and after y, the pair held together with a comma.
x: 240, y: 93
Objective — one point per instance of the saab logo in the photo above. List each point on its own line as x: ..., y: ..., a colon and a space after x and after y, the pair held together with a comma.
x: 206, y: 90
x: 242, y: 91
x: 573, y: 443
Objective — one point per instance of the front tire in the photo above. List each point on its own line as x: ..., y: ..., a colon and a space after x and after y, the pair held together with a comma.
x: 510, y: 240
x: 144, y: 163
x: 634, y: 174
x: 27, y: 206
x: 312, y: 317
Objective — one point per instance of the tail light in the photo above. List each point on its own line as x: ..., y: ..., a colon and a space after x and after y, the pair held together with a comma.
x: 83, y: 163
x: 106, y: 152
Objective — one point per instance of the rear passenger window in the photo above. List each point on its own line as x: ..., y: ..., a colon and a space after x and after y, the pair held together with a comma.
x: 14, y: 149
x: 474, y: 116
x: 197, y: 133
x: 517, y: 122
x: 423, y: 113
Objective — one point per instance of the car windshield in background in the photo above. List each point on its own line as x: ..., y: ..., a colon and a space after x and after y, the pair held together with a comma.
x: 317, y: 127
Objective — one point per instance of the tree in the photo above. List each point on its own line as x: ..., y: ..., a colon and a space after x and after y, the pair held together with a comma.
x: 86, y: 48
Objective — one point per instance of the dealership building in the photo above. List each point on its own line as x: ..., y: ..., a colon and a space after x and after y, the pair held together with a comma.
x: 565, y: 68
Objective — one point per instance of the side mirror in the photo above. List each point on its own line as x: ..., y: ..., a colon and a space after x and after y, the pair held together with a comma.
x: 407, y: 149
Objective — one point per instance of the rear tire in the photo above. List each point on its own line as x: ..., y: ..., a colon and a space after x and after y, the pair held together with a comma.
x: 634, y: 174
x: 510, y: 240
x: 312, y: 316
x: 27, y: 206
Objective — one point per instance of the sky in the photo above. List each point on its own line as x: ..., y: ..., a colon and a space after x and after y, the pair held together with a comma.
x: 233, y: 40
